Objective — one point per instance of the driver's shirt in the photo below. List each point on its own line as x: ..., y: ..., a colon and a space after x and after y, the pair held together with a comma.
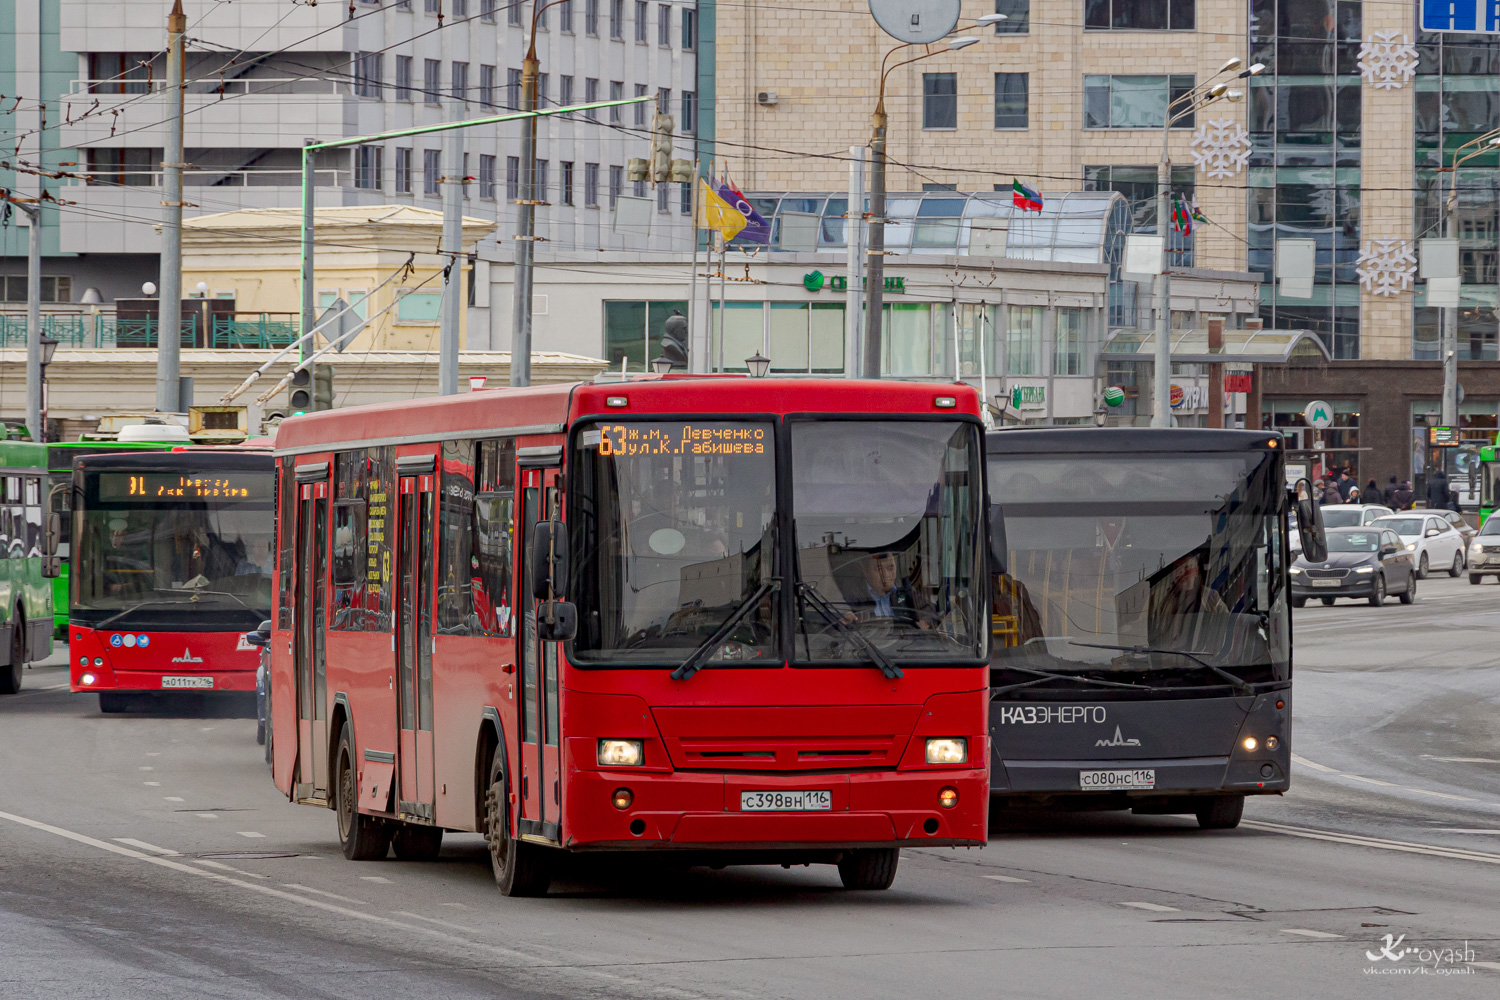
x: 882, y: 603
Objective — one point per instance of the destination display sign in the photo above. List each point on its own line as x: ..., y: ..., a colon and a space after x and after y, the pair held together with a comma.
x: 156, y: 487
x: 679, y: 438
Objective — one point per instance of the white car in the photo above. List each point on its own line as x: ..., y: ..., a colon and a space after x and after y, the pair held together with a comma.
x: 1484, y: 551
x: 1353, y: 515
x: 1430, y: 539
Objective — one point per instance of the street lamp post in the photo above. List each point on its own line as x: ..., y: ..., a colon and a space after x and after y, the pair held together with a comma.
x: 1448, y: 335
x: 1182, y: 107
x: 520, y: 329
x: 875, y: 272
x: 48, y: 346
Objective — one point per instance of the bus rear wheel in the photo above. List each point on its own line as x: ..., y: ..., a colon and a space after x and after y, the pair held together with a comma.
x: 1221, y: 812
x: 520, y: 869
x: 417, y: 843
x: 874, y: 868
x: 363, y: 838
x: 10, y: 678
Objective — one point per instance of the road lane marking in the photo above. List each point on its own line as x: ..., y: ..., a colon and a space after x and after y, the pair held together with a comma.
x: 172, y: 798
x: 205, y: 815
x: 148, y: 847
x: 374, y: 878
x: 1304, y: 762
x: 1153, y: 907
x: 1005, y: 878
x: 320, y: 892
x: 145, y: 767
x: 1456, y: 829
x: 152, y: 784
x: 250, y: 833
x: 1312, y: 934
x: 1461, y: 760
x: 1372, y: 781
x: 1441, y: 795
x: 1375, y: 842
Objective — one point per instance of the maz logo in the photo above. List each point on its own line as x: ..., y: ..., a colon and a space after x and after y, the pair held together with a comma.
x: 1118, y: 741
x: 188, y: 657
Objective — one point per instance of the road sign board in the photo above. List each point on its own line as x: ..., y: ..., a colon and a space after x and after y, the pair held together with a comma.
x: 1318, y: 414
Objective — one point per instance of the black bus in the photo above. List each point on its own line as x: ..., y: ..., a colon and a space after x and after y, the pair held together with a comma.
x: 1142, y: 646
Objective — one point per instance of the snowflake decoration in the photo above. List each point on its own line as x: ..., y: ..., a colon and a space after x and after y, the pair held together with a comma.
x: 1386, y: 267
x: 1386, y: 63
x: 1221, y: 148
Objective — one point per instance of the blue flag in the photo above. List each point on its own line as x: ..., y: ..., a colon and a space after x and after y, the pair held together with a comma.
x: 757, y: 229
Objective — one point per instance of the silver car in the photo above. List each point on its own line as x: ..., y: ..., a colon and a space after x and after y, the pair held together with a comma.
x: 1484, y: 551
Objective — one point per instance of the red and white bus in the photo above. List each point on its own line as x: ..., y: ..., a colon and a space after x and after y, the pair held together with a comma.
x: 740, y: 619
x: 171, y: 566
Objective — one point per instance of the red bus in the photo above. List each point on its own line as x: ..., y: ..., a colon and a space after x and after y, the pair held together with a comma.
x: 171, y: 565
x: 743, y: 620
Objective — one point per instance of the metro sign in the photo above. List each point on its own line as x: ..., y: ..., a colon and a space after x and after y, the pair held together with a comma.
x: 1482, y: 16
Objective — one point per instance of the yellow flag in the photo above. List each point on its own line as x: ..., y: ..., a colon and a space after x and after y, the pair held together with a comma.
x: 716, y: 213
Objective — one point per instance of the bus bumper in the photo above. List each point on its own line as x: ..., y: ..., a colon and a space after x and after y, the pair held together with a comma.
x: 100, y: 661
x: 694, y: 811
x: 1178, y: 776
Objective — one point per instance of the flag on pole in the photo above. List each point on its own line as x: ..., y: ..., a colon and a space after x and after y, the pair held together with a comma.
x: 1182, y: 222
x: 716, y: 213
x: 757, y: 229
x: 1196, y: 212
x: 1025, y: 198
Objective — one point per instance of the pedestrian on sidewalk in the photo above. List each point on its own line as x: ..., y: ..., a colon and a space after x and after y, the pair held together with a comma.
x: 1437, y: 490
x: 1401, y: 497
x: 1371, y: 493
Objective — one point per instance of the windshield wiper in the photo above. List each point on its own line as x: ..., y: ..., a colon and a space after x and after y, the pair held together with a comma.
x: 134, y: 607
x: 1043, y: 675
x: 828, y: 611
x: 696, y: 659
x: 1238, y: 683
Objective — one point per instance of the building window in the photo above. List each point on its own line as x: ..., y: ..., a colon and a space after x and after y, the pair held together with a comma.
x: 368, y: 70
x: 591, y: 18
x: 1023, y: 340
x: 565, y: 16
x: 633, y: 331
x: 513, y: 89
x: 640, y: 106
x: 564, y: 91
x: 431, y: 72
x: 512, y: 178
x: 1017, y: 17
x: 617, y: 19
x: 565, y: 183
x: 591, y: 185
x: 367, y: 167
x: 542, y: 14
x: 120, y: 72
x: 1068, y: 340
x: 616, y: 93
x: 543, y: 84
x: 133, y: 167
x: 663, y: 200
x: 642, y: 12
x: 1133, y: 101
x: 403, y: 78
x: 54, y: 289
x: 1010, y: 100
x: 460, y: 8
x: 664, y: 100
x: 432, y: 6
x: 591, y: 96
x: 460, y: 78
x: 1138, y: 186
x: 487, y: 86
x: 487, y: 10
x: 664, y: 25
x: 403, y: 171
x: 616, y: 185
x: 939, y: 100
x: 513, y: 12
x: 540, y: 192
x: 486, y: 176
x: 1139, y: 15
x: 689, y: 121
x: 432, y: 170
x: 686, y: 199
x: 689, y: 29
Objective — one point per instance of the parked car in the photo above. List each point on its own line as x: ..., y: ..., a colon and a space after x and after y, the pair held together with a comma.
x: 1430, y: 539
x: 1353, y: 515
x: 1484, y: 551
x: 1363, y: 563
x: 1464, y: 528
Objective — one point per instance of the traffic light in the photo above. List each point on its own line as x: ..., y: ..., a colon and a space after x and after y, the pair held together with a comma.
x: 301, y: 398
x: 662, y: 127
x: 323, y: 387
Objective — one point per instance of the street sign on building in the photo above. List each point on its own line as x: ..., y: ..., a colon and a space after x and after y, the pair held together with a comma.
x: 1318, y: 414
x: 1481, y: 16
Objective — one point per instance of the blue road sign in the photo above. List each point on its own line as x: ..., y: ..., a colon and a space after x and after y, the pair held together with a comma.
x: 1479, y: 16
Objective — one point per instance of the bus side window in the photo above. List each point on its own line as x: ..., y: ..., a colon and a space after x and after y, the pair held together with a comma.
x: 492, y: 541
x: 455, y: 582
x: 12, y: 530
x: 286, y: 519
x: 33, y: 516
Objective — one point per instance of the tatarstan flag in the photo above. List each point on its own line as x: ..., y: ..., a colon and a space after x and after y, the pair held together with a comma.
x: 1025, y: 198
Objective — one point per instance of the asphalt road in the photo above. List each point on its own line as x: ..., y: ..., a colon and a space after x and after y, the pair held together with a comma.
x: 148, y: 856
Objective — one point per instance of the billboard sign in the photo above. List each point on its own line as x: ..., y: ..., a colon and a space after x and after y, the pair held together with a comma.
x: 1481, y: 16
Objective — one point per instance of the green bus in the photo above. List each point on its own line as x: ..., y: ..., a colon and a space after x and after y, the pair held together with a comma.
x: 27, y: 622
x: 1489, y: 479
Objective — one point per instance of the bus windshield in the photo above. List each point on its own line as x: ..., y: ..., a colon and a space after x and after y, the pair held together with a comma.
x: 1149, y: 570
x: 678, y: 531
x: 886, y: 518
x: 168, y: 547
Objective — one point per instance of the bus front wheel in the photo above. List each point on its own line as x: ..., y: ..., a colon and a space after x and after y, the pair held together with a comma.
x: 1221, y: 812
x: 869, y: 869
x: 520, y: 869
x: 363, y: 838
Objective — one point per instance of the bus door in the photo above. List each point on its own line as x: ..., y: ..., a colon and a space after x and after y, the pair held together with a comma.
x: 414, y: 571
x: 309, y: 662
x: 541, y: 776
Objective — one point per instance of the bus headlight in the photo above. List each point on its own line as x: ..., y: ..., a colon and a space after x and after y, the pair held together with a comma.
x: 954, y: 750
x: 1250, y: 743
x: 621, y: 753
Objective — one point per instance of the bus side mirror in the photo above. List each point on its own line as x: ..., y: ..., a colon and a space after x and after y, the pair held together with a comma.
x: 999, y: 545
x: 1309, y: 523
x: 51, y: 562
x: 557, y: 621
x: 549, y: 559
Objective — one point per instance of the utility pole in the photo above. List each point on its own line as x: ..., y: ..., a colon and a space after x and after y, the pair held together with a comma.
x: 854, y: 243
x: 33, y: 318
x: 454, y: 298
x: 520, y: 323
x: 309, y: 215
x: 875, y: 272
x: 1161, y: 408
x: 169, y: 305
x: 1448, y: 339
